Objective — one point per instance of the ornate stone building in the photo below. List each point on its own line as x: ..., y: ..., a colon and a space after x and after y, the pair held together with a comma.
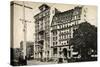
x: 62, y: 27
x: 54, y: 29
x: 42, y: 32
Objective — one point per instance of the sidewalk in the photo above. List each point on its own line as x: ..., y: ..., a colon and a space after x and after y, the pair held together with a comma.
x: 35, y: 62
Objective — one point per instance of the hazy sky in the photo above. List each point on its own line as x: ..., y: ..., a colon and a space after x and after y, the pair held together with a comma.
x: 29, y: 15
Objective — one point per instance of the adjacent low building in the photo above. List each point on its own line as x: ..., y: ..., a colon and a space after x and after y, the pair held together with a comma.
x: 29, y: 49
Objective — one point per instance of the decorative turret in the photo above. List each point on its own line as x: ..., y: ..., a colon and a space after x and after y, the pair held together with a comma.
x: 44, y: 7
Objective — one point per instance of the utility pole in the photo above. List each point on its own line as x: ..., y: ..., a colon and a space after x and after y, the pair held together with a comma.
x: 24, y: 22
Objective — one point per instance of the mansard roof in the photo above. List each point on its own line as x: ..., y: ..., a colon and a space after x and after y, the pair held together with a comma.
x: 67, y: 13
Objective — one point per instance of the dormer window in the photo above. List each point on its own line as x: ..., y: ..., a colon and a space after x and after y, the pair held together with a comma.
x: 43, y: 8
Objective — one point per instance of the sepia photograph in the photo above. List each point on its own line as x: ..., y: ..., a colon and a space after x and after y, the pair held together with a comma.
x: 52, y: 33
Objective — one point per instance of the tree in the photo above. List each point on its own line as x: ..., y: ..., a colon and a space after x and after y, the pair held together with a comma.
x: 84, y: 40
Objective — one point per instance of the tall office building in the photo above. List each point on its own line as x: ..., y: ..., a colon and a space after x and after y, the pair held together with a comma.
x: 42, y: 32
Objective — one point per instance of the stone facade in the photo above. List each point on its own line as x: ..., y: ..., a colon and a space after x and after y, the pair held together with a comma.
x: 42, y: 33
x: 53, y: 31
x: 62, y: 27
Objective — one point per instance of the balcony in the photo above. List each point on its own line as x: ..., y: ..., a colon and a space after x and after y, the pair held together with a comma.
x: 41, y: 39
x: 40, y: 49
x: 41, y: 30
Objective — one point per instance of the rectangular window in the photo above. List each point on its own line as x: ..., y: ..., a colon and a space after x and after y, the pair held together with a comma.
x: 54, y: 50
x: 69, y: 52
x: 65, y: 36
x: 56, y: 43
x: 56, y: 38
x: 53, y: 43
x: 64, y: 43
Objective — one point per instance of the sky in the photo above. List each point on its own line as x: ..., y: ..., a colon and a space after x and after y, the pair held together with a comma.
x: 29, y: 15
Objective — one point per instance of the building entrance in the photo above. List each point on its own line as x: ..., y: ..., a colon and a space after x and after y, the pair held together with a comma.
x: 65, y: 52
